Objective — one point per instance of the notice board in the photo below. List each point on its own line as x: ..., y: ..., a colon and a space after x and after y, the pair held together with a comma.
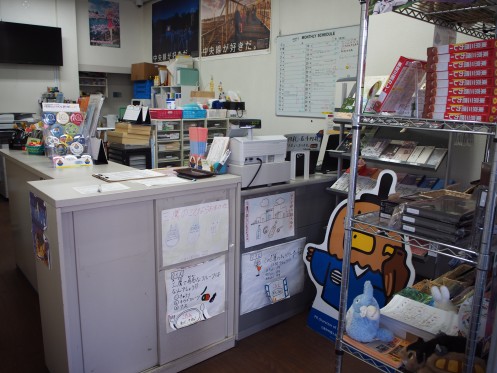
x: 308, y: 65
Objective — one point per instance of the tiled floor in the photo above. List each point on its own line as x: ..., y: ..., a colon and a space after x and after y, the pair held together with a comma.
x: 288, y: 347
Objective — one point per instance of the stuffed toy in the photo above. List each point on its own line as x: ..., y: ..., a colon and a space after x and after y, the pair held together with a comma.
x: 441, y: 297
x: 416, y: 355
x: 442, y: 354
x: 362, y: 321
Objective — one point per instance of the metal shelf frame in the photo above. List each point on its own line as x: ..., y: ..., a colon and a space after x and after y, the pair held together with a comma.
x: 477, y: 19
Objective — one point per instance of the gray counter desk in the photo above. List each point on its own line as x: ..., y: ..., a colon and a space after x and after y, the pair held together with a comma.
x: 103, y: 299
x: 22, y: 167
x: 313, y: 206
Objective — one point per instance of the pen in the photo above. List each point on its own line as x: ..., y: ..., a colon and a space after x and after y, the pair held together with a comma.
x: 186, y: 177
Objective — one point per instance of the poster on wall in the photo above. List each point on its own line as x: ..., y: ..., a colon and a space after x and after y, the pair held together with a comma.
x: 272, y: 274
x: 190, y: 232
x: 105, y: 25
x: 175, y: 29
x: 269, y: 218
x: 231, y: 27
x: 195, y: 293
x: 41, y: 246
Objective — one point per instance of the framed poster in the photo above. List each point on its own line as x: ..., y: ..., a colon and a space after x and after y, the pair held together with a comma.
x: 235, y: 27
x: 175, y: 29
x: 105, y: 25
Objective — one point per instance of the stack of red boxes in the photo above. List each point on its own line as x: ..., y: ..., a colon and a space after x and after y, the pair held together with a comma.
x: 461, y: 82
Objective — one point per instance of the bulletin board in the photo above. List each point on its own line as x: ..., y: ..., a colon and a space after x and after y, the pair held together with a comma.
x: 308, y: 65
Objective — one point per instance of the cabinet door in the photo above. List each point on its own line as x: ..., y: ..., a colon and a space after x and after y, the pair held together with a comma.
x: 116, y: 285
x: 206, y: 221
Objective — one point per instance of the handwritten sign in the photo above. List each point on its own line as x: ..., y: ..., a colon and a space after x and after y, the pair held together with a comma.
x: 265, y: 270
x: 269, y: 218
x: 303, y: 141
x: 195, y: 293
x: 195, y: 231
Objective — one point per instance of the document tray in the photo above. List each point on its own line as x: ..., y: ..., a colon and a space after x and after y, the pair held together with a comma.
x: 193, y: 173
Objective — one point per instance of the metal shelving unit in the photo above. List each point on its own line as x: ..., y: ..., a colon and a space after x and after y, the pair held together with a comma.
x: 477, y: 19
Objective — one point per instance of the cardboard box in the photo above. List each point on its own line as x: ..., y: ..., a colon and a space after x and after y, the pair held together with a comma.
x: 143, y: 71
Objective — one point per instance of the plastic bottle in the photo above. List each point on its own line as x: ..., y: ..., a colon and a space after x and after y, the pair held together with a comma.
x: 211, y: 85
x: 220, y: 89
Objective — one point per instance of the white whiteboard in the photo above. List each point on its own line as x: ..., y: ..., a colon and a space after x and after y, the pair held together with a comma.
x: 308, y: 66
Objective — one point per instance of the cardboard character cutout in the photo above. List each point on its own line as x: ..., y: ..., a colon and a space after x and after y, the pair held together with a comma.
x: 384, y: 261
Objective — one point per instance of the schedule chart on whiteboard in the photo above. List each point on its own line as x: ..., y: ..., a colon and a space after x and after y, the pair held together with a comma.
x: 308, y: 66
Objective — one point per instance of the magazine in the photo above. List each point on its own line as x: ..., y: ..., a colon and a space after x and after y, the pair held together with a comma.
x: 446, y: 208
x: 373, y: 147
x: 403, y: 315
x: 386, y: 352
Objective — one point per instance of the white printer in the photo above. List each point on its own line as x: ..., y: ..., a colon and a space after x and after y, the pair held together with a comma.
x: 259, y: 160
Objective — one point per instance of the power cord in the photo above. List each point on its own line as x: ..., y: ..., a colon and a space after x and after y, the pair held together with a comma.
x: 256, y: 173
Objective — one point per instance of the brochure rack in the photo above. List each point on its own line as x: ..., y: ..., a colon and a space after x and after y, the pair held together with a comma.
x: 485, y: 16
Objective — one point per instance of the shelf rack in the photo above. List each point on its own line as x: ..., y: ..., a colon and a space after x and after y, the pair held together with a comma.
x: 478, y: 20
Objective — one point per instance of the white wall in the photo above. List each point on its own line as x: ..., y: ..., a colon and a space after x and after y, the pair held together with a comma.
x: 113, y: 60
x: 22, y: 85
x: 254, y: 77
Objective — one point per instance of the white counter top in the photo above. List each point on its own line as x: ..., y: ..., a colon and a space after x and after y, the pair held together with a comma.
x: 41, y: 166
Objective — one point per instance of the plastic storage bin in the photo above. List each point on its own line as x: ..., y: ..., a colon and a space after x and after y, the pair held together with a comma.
x: 194, y: 114
x: 142, y: 89
x: 165, y: 114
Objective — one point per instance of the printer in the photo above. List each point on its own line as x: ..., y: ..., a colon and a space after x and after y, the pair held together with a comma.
x: 259, y: 160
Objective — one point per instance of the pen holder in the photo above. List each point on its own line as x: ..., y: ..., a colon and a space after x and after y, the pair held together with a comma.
x: 220, y: 169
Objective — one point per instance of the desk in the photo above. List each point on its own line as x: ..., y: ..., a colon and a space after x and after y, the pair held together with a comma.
x: 313, y: 206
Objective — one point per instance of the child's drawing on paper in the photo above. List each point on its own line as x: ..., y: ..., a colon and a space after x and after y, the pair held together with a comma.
x: 194, y: 231
x: 172, y: 236
x: 383, y: 261
x: 195, y: 293
x: 269, y: 218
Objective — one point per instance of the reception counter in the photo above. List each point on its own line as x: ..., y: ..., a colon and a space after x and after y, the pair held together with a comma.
x: 22, y: 167
x: 137, y: 279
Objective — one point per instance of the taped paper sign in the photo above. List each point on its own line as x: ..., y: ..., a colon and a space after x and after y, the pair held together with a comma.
x: 195, y: 293
x: 269, y: 218
x: 271, y: 275
x: 191, y: 232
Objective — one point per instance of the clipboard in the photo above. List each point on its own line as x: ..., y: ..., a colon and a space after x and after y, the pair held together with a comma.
x: 128, y: 175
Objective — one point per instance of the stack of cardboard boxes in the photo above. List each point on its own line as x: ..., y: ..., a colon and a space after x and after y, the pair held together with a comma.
x: 130, y: 134
x: 461, y: 82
